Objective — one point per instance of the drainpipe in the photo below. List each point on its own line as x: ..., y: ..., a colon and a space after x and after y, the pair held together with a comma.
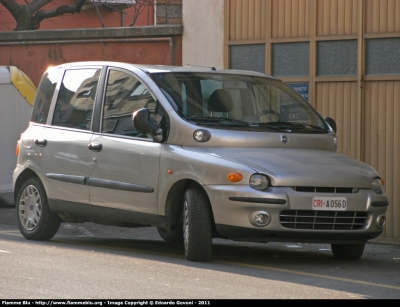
x: 101, y: 40
x: 155, y: 12
x: 172, y: 50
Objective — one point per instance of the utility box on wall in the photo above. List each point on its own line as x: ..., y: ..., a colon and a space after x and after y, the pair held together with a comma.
x: 17, y: 93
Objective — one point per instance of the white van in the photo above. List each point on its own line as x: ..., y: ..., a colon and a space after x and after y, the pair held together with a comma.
x: 16, y: 100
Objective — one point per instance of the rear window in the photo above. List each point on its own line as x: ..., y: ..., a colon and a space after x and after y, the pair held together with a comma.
x: 44, y: 95
x: 75, y: 101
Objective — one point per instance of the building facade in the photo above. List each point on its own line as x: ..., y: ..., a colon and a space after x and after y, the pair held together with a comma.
x: 142, y: 32
x: 104, y: 14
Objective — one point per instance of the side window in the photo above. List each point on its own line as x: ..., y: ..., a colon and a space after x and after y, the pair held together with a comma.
x: 125, y: 94
x: 75, y: 99
x: 44, y: 95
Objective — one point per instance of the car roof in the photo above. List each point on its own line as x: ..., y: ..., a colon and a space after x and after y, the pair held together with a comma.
x: 152, y: 68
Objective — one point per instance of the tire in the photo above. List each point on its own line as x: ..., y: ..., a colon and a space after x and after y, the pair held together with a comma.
x: 174, y: 236
x: 347, y: 251
x: 197, y: 225
x: 34, y: 218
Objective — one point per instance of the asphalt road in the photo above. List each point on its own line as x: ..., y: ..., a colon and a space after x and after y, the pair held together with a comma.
x: 89, y: 261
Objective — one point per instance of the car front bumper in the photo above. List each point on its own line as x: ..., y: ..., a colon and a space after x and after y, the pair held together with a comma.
x: 290, y: 217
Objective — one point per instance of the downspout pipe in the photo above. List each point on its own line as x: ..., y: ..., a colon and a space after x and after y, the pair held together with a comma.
x: 172, y: 50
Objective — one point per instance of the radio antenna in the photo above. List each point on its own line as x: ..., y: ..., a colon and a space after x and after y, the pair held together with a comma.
x: 212, y: 68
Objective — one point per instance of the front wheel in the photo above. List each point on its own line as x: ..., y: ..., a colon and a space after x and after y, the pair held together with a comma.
x: 347, y: 251
x: 34, y: 218
x: 197, y: 225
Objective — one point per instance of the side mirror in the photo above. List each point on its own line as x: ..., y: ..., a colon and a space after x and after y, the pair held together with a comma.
x: 142, y: 123
x: 331, y: 122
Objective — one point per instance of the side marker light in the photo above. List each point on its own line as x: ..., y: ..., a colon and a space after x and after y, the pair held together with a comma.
x: 235, y: 177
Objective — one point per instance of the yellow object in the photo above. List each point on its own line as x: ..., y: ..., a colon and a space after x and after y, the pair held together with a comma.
x: 234, y: 177
x: 23, y: 83
x: 17, y: 150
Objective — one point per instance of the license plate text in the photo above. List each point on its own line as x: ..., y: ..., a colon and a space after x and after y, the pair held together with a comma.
x: 329, y: 203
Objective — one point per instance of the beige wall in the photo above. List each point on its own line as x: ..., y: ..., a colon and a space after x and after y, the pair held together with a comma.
x: 203, y: 36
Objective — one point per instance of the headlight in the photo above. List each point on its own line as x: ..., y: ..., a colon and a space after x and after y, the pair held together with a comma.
x: 376, y: 186
x: 259, y: 182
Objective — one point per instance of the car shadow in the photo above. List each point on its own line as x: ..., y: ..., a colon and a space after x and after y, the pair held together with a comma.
x: 5, y: 203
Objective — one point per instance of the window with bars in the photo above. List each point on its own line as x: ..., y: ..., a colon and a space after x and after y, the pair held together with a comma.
x: 168, y: 11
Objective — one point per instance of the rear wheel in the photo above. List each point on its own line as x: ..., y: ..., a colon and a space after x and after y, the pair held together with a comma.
x: 197, y: 225
x: 347, y: 251
x: 34, y: 218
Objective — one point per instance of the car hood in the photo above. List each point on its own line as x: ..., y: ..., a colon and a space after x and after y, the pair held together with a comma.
x: 299, y: 167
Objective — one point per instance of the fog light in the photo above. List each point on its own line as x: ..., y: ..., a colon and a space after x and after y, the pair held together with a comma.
x: 380, y: 221
x: 260, y: 218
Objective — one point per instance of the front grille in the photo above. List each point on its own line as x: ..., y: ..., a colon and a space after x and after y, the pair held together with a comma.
x: 324, y: 220
x: 325, y: 189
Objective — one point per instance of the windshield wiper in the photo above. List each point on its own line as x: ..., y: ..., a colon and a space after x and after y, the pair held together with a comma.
x: 222, y: 121
x: 314, y: 127
x: 202, y: 119
x: 290, y: 125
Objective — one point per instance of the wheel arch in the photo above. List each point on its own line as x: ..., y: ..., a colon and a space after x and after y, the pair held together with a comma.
x: 174, y: 202
x: 27, y: 173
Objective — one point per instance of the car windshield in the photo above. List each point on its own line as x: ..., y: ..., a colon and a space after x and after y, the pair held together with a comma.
x: 238, y: 102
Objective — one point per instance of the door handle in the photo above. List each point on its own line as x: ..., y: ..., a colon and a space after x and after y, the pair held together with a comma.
x: 41, y: 142
x: 95, y: 146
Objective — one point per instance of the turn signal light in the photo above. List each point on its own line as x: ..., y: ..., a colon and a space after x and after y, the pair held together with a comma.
x: 235, y: 177
x: 17, y: 150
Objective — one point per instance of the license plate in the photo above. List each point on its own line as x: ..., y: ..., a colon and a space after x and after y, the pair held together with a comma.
x: 329, y: 203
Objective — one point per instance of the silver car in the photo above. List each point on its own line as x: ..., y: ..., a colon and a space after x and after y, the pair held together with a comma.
x: 198, y: 153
